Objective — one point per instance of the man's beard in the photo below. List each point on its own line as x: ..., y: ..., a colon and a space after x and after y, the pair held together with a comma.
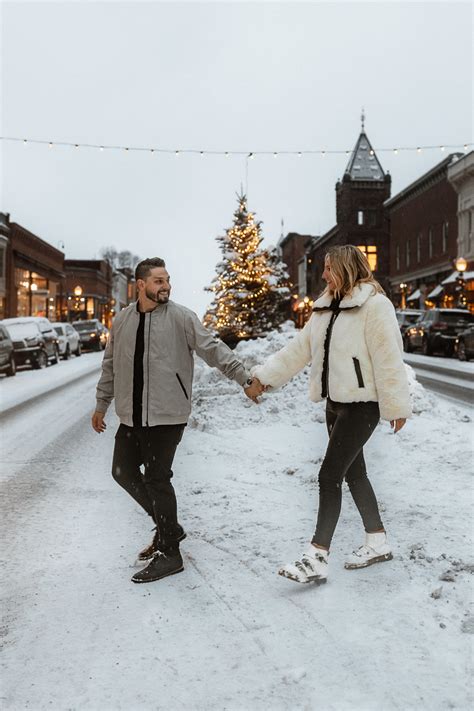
x: 158, y: 297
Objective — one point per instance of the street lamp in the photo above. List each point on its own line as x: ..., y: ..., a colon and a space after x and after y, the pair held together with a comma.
x: 403, y: 291
x: 461, y: 266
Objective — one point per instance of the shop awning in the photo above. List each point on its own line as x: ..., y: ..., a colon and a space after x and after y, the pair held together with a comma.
x: 436, y: 292
x: 416, y: 295
x: 467, y: 276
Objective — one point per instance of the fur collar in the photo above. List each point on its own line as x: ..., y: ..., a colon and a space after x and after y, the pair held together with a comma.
x: 359, y: 296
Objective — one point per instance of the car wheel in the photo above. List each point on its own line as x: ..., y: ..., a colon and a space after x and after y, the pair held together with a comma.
x: 67, y: 353
x: 41, y: 360
x: 462, y: 355
x: 11, y: 370
x: 78, y: 350
x: 426, y: 349
x: 407, y: 347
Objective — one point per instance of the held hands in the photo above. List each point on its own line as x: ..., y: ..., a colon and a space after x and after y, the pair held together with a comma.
x: 98, y: 423
x: 254, y: 390
x: 397, y: 424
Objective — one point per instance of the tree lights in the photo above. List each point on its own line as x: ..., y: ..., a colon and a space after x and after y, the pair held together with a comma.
x: 251, y: 286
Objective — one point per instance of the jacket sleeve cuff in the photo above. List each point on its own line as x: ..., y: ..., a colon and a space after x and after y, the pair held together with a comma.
x: 101, y: 406
x: 242, y: 376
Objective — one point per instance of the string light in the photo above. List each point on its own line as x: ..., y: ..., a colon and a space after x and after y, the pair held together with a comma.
x: 227, y: 154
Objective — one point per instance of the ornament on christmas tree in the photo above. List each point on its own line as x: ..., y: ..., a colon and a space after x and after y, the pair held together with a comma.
x: 251, y: 288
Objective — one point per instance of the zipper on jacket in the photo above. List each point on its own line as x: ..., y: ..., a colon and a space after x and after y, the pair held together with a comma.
x: 148, y: 369
x: 358, y: 371
x: 182, y: 386
x: 327, y: 344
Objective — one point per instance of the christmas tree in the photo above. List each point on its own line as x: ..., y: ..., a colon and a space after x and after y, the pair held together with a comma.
x: 251, y: 287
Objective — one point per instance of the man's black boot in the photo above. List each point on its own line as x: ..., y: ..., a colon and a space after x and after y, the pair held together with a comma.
x: 162, y: 565
x: 147, y: 553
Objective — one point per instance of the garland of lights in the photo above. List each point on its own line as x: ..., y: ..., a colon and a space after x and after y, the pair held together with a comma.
x: 249, y: 154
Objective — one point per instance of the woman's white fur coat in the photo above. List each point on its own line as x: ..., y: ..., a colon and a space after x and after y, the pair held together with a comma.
x: 366, y: 330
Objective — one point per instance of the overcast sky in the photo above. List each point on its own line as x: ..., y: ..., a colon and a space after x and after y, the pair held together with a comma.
x: 218, y: 76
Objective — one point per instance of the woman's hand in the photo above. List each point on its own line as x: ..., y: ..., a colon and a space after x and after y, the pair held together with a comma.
x: 254, y: 390
x: 397, y: 424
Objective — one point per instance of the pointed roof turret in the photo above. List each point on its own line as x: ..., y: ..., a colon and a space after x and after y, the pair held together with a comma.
x: 363, y: 163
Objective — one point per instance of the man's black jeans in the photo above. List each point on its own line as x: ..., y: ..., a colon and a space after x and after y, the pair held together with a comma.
x: 349, y: 426
x: 154, y: 448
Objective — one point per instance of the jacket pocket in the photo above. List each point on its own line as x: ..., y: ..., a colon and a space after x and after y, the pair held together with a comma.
x: 182, y: 386
x: 358, y: 371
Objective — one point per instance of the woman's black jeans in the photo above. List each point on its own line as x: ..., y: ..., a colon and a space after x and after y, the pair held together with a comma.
x: 349, y: 426
x: 154, y: 448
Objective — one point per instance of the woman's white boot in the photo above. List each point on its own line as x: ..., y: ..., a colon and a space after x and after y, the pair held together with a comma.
x: 375, y: 550
x: 312, y: 568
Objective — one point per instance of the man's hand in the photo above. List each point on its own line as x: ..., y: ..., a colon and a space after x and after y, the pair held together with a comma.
x: 397, y: 424
x: 98, y: 423
x: 254, y: 390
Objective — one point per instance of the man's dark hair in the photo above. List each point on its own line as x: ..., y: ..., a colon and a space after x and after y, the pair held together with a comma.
x: 143, y: 268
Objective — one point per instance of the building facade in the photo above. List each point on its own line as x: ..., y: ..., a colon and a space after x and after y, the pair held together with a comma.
x: 423, y: 239
x: 461, y: 177
x: 89, y: 285
x: 34, y: 278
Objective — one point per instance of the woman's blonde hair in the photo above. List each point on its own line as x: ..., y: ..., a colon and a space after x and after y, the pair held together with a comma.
x: 350, y: 267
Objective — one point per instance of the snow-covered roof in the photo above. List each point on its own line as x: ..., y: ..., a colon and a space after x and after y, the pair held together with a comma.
x: 363, y: 163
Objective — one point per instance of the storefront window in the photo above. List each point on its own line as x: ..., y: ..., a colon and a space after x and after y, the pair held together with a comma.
x: 22, y: 282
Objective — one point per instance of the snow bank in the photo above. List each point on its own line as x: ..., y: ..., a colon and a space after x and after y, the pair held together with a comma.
x: 289, y: 404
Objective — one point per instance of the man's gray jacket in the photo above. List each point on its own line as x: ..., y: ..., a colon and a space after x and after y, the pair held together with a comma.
x: 172, y: 333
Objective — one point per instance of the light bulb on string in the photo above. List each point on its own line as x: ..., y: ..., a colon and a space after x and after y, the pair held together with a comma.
x: 50, y: 145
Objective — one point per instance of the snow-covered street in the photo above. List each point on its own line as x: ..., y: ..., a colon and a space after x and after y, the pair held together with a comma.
x: 228, y: 632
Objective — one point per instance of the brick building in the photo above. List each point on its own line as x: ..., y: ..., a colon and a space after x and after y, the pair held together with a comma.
x: 33, y: 279
x: 360, y: 216
x: 88, y: 290
x: 461, y: 177
x: 423, y: 238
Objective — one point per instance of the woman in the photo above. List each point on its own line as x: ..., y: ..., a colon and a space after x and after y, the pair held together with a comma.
x: 354, y: 345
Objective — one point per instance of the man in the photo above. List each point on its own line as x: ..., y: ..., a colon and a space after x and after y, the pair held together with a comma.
x: 148, y: 369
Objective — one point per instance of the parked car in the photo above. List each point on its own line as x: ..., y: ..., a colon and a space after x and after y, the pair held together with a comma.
x: 437, y: 330
x: 92, y: 333
x: 34, y: 340
x: 407, y: 317
x: 7, y: 355
x: 465, y: 344
x: 68, y: 339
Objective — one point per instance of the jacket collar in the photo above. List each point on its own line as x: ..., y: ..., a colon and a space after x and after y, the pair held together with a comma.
x: 359, y: 296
